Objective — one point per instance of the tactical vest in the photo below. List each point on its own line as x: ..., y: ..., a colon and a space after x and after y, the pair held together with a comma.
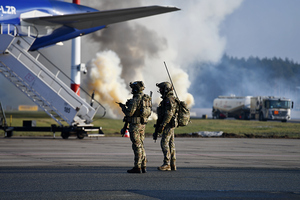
x: 143, y: 110
x: 161, y: 111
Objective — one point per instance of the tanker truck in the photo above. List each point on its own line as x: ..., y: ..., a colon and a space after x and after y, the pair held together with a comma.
x: 266, y: 108
x: 231, y: 106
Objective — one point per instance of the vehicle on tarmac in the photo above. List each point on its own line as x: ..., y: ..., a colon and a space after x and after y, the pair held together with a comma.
x: 26, y: 26
x: 231, y: 106
x: 266, y: 108
x: 262, y: 108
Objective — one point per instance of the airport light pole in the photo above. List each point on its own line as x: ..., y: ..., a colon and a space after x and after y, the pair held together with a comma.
x: 76, y: 62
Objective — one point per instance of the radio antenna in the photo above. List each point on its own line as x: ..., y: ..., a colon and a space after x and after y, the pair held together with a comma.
x: 170, y: 79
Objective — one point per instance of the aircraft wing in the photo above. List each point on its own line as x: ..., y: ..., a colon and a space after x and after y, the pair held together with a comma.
x: 102, y: 18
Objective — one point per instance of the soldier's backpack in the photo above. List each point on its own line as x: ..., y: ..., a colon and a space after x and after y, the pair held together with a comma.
x: 146, y: 108
x: 183, y: 117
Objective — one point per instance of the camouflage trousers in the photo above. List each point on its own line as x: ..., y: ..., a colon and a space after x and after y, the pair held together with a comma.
x: 137, y: 136
x: 168, y: 146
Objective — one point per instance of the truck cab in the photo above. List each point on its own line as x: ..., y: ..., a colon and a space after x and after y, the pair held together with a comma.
x: 271, y: 108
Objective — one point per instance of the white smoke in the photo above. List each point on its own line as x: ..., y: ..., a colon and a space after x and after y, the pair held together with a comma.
x: 178, y: 38
x: 193, y: 33
x: 104, y: 78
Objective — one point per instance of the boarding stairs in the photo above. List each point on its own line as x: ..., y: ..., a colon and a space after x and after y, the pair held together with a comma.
x: 37, y: 82
x: 2, y: 116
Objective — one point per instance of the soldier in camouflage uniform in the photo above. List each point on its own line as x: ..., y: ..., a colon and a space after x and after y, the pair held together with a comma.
x: 166, y: 123
x: 136, y: 126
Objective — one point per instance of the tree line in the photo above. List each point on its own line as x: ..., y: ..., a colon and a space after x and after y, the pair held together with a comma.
x: 244, y: 77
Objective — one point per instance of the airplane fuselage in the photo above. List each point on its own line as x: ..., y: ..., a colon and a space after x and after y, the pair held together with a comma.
x: 14, y: 11
x: 56, y: 21
x: 11, y: 10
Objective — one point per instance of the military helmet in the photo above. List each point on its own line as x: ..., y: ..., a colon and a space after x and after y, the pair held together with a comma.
x: 164, y: 87
x: 137, y: 86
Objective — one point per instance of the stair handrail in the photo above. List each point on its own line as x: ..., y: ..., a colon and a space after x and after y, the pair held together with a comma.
x: 18, y: 30
x: 8, y: 29
x: 3, y: 115
x: 31, y: 31
x: 72, y: 81
x: 18, y: 78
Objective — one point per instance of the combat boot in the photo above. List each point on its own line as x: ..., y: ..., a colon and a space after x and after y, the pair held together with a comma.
x: 135, y: 170
x: 164, y: 168
x: 173, y: 165
x: 144, y: 170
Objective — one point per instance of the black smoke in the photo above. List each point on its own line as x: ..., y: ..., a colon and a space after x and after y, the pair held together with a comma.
x: 132, y: 42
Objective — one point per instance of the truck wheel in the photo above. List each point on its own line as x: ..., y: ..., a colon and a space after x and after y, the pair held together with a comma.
x: 245, y: 116
x: 9, y: 133
x: 260, y: 117
x: 65, y: 135
x: 214, y: 115
x: 81, y: 134
x: 217, y: 115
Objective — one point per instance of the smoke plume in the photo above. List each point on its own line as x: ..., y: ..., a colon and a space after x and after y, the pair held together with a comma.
x: 140, y: 47
x: 104, y: 78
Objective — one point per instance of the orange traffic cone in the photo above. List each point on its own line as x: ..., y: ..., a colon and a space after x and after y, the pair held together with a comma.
x: 126, y: 133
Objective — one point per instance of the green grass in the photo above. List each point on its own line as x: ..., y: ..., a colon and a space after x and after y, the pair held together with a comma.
x: 235, y: 128
x: 244, y: 127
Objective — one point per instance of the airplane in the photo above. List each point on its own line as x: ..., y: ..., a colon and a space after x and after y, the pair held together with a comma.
x: 29, y: 25
x: 56, y: 21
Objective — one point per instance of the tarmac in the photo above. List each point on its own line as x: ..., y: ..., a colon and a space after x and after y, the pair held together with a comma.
x: 96, y: 168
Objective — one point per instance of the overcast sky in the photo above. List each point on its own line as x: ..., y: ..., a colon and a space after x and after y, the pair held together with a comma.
x: 264, y: 28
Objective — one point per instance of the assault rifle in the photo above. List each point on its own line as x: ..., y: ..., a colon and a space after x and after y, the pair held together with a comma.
x: 123, y: 130
x: 157, y: 126
x: 171, y: 80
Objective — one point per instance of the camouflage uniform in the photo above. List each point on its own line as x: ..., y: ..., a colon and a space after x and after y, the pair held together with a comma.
x: 167, y: 118
x: 136, y: 130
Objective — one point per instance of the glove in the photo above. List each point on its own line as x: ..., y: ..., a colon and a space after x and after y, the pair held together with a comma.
x: 160, y: 129
x: 123, y: 130
x: 155, y: 136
